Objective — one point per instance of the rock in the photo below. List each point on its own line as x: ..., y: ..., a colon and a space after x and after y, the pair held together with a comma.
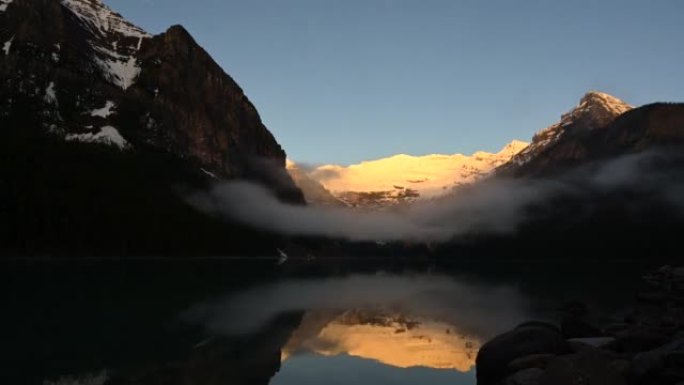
x: 652, y: 296
x: 529, y: 376
x: 597, y: 342
x: 639, y: 339
x: 532, y: 361
x: 621, y: 366
x: 580, y: 347
x: 675, y: 359
x: 527, y: 339
x: 664, y: 360
x: 574, y: 308
x: 678, y: 273
x: 540, y: 324
x: 616, y: 328
x: 668, y: 376
x: 576, y: 327
x: 585, y: 368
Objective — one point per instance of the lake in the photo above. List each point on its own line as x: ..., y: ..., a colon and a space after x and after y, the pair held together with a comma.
x: 253, y: 321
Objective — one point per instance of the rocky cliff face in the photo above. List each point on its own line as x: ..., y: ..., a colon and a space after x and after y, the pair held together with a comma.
x: 76, y: 70
x: 594, y: 111
x: 598, y: 130
x: 105, y: 131
x: 609, y: 178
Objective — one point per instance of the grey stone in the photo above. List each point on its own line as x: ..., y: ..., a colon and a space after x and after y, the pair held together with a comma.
x: 640, y: 339
x: 585, y: 368
x: 647, y: 363
x: 527, y: 339
x: 529, y: 376
x: 597, y: 342
x: 577, y: 327
x: 531, y: 361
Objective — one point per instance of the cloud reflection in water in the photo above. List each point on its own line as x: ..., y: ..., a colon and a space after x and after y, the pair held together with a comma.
x: 404, y: 321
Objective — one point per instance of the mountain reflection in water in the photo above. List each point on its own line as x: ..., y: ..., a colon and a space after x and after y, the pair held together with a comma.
x: 476, y: 309
x: 401, y: 321
x: 391, y: 339
x: 255, y: 322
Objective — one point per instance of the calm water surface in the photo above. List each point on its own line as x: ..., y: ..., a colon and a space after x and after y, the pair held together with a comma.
x: 253, y: 321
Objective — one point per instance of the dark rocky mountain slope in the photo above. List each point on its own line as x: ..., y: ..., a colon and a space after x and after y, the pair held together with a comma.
x: 601, y: 127
x: 609, y: 181
x: 103, y: 124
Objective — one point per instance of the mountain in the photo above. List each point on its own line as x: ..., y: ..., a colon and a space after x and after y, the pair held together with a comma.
x: 395, y: 339
x: 106, y: 128
x: 314, y: 192
x: 79, y: 71
x: 595, y: 111
x: 404, y: 178
x: 607, y: 181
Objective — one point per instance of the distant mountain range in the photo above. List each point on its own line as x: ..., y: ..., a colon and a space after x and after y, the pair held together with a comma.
x: 404, y: 178
x: 607, y: 179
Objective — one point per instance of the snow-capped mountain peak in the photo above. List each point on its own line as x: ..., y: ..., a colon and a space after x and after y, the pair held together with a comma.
x: 102, y: 20
x: 513, y: 148
x: 114, y: 40
x: 595, y: 110
x: 404, y: 178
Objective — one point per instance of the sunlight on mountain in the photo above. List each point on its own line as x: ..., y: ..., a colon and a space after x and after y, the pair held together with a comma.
x: 391, y: 340
x: 429, y: 175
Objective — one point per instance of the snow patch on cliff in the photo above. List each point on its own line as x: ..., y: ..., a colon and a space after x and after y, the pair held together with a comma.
x: 101, y: 19
x: 115, y: 40
x: 121, y: 70
x: 107, y: 135
x: 50, y: 94
x: 6, y: 47
x: 4, y: 4
x: 105, y: 111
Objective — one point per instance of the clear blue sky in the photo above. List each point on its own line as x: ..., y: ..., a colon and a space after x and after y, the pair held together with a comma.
x: 347, y: 80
